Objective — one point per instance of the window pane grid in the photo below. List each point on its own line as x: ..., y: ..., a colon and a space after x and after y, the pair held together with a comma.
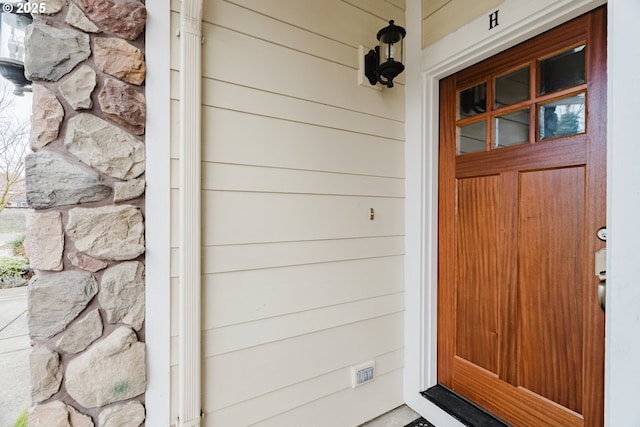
x: 534, y: 102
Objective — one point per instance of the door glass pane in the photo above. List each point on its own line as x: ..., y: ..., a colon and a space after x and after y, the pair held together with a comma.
x: 511, y: 129
x: 563, y: 70
x: 472, y: 138
x: 472, y: 101
x: 562, y: 117
x: 511, y: 88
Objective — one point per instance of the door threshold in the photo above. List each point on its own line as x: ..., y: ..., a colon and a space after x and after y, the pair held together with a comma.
x: 460, y: 408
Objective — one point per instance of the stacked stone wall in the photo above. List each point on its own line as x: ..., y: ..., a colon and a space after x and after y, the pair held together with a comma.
x: 85, y: 237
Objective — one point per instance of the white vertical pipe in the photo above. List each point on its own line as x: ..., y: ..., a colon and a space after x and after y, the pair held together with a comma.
x: 189, y: 405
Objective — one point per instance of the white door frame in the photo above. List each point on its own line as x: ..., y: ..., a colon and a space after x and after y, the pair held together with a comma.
x: 518, y: 20
x: 158, y: 207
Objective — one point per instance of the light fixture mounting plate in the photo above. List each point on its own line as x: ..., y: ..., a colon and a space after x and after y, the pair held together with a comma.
x: 363, y: 80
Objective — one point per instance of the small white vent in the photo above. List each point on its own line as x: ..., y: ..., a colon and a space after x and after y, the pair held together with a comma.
x: 363, y: 373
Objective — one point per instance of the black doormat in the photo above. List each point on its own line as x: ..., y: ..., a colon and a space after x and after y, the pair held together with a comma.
x: 420, y: 422
x: 460, y: 408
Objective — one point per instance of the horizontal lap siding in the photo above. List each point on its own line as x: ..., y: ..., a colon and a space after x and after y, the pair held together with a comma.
x: 298, y: 283
x: 304, y: 136
x: 311, y: 398
x: 244, y: 218
x: 260, y: 294
x: 442, y: 17
x: 235, y: 377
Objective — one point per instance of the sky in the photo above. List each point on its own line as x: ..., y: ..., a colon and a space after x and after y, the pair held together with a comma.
x: 22, y: 105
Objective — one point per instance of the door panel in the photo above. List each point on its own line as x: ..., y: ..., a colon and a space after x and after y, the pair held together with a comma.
x: 519, y: 329
x: 516, y: 405
x: 477, y: 263
x: 550, y: 258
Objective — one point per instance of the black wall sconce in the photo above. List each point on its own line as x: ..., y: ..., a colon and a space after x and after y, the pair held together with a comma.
x: 384, y: 63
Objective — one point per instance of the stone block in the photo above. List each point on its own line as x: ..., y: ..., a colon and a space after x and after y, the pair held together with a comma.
x: 52, y: 52
x: 125, y: 18
x: 46, y: 373
x: 46, y: 117
x: 124, y: 105
x: 51, y: 7
x: 52, y: 180
x: 120, y: 59
x: 108, y: 233
x: 122, y: 293
x: 105, y: 146
x: 86, y: 262
x: 76, y: 18
x: 55, y: 299
x: 77, y: 89
x: 57, y: 414
x: 82, y: 333
x: 128, y: 190
x: 111, y: 370
x: 130, y: 414
x: 44, y: 241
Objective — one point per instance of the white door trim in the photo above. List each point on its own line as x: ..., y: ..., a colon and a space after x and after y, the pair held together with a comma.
x: 157, y: 207
x: 519, y: 20
x: 622, y: 347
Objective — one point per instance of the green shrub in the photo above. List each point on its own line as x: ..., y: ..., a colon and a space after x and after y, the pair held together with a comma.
x: 22, y: 420
x: 13, y: 266
x: 17, y: 245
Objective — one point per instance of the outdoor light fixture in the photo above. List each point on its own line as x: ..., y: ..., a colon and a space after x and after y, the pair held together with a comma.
x: 384, y: 63
x: 14, y: 20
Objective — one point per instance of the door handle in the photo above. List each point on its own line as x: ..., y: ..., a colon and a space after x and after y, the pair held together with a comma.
x: 601, y: 266
x: 602, y: 294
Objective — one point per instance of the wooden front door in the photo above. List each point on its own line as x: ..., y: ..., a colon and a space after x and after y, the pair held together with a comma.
x: 521, y: 198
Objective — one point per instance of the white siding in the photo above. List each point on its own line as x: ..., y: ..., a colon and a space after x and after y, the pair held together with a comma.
x: 443, y: 17
x: 298, y: 283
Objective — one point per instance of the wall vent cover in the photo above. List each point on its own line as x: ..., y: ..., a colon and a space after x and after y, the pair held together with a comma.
x: 363, y: 373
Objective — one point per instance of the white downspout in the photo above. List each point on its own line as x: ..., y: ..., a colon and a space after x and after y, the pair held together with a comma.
x: 189, y: 405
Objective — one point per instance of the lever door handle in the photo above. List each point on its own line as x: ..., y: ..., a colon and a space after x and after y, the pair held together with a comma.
x: 602, y: 294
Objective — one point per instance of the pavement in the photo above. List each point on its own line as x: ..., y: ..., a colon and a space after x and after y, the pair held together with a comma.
x: 14, y: 355
x: 399, y: 417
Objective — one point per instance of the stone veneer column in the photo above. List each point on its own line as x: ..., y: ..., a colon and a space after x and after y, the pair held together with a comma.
x: 85, y: 238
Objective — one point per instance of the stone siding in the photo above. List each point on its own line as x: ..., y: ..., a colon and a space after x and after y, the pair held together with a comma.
x: 85, y: 238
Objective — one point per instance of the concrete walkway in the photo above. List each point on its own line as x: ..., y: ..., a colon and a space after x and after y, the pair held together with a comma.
x: 14, y: 355
x: 399, y: 417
